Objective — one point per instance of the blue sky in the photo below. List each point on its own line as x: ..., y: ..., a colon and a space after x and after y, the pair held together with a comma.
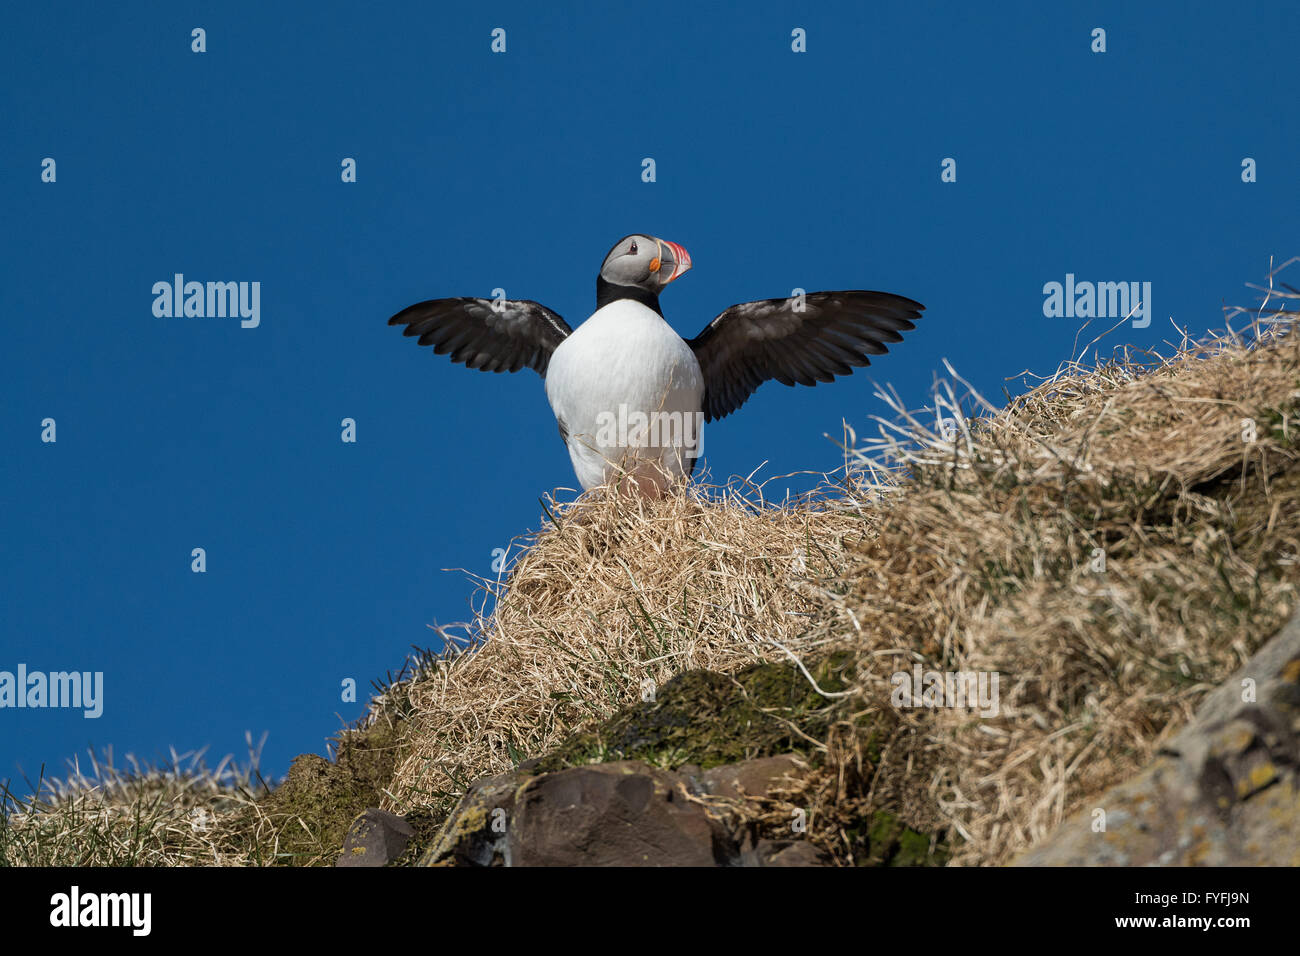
x: 477, y: 170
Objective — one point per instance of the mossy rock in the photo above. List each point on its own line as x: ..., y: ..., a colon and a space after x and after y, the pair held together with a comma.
x: 705, y: 718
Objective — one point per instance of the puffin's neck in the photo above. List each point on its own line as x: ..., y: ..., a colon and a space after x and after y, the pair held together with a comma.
x: 607, y: 292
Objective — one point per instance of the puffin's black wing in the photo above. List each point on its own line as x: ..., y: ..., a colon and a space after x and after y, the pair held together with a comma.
x: 753, y: 342
x: 514, y: 334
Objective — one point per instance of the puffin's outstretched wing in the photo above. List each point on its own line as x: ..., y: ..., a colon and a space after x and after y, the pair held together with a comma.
x: 514, y: 334
x: 753, y: 342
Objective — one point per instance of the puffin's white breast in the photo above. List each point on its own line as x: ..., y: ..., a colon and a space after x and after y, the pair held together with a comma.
x: 628, y: 391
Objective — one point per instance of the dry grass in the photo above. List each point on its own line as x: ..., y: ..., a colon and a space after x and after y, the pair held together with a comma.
x: 170, y: 813
x: 987, y: 561
x: 619, y: 591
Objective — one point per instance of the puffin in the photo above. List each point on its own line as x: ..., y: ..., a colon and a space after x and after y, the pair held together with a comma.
x: 629, y: 394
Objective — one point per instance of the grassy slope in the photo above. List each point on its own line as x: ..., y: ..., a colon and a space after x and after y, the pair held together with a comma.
x: 976, y: 549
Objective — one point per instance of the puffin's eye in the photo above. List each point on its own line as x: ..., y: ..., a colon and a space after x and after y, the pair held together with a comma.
x: 632, y: 251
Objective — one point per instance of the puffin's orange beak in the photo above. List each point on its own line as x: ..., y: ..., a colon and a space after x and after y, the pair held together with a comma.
x: 681, y: 259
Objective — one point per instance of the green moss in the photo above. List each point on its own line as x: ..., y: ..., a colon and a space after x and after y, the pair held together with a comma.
x: 1281, y: 423
x: 889, y: 842
x: 303, y: 821
x: 706, y: 718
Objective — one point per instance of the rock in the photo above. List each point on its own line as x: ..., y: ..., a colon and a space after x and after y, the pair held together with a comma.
x: 625, y: 813
x: 376, y: 838
x: 1224, y: 792
x: 475, y: 833
x: 754, y: 778
x: 786, y: 853
x: 616, y: 814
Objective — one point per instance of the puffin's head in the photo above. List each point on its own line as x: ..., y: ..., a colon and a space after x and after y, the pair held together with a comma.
x: 645, y: 262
